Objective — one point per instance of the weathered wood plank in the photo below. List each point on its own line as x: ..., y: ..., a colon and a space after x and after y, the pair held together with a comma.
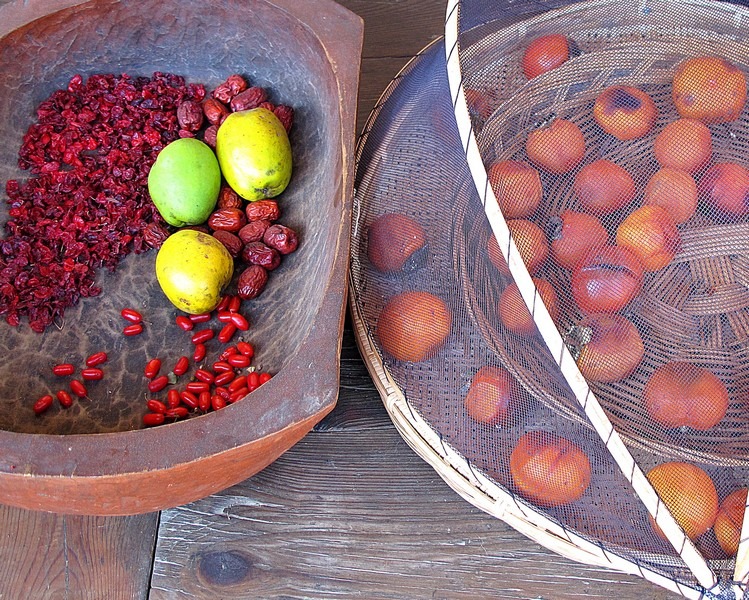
x: 52, y: 557
x: 356, y: 514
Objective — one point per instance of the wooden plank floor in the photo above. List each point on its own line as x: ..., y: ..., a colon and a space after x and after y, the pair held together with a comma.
x: 351, y: 512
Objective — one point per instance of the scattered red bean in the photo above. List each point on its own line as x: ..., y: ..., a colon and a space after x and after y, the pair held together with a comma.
x: 96, y: 359
x: 235, y: 304
x: 204, y: 376
x: 65, y: 399
x: 202, y: 336
x: 197, y: 386
x: 223, y: 392
x: 43, y: 404
x: 78, y: 388
x: 246, y: 349
x: 92, y: 374
x: 238, y: 360
x: 201, y: 318
x: 204, y: 401
x: 265, y: 378
x: 184, y: 323
x: 224, y: 304
x: 199, y: 353
x: 152, y: 368
x: 153, y: 419
x: 228, y: 351
x: 183, y: 363
x: 227, y: 332
x: 172, y: 398
x: 177, y: 412
x: 224, y: 378
x: 63, y: 369
x: 189, y: 399
x: 131, y: 330
x: 224, y: 316
x: 239, y: 394
x: 217, y: 402
x: 221, y: 366
x: 131, y: 315
x: 253, y: 380
x: 239, y: 321
x: 157, y: 384
x: 156, y: 406
x: 238, y: 383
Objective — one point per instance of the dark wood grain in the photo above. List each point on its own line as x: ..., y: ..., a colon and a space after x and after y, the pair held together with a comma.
x: 52, y: 556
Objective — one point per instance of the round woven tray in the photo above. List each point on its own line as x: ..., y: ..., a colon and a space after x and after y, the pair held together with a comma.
x: 695, y: 309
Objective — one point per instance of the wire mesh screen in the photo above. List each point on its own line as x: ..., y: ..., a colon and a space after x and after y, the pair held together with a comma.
x: 549, y: 276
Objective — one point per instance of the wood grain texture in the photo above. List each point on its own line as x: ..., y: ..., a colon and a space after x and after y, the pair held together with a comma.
x: 50, y: 556
x: 356, y: 514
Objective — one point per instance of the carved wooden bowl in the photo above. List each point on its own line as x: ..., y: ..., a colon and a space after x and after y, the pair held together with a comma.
x: 96, y: 457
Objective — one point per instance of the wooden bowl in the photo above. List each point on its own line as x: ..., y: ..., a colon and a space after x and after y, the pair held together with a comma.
x: 96, y: 457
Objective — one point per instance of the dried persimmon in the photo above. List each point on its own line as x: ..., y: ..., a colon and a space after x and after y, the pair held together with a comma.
x: 624, y: 111
x: 545, y: 53
x: 709, y: 88
x: 685, y: 144
x: 557, y: 147
x: 689, y: 494
x: 603, y: 187
x: 517, y: 186
x: 674, y: 190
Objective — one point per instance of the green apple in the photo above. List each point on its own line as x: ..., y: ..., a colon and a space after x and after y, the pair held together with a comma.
x: 254, y: 153
x: 184, y: 182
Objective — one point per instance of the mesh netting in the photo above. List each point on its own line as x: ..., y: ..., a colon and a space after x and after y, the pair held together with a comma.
x: 550, y: 274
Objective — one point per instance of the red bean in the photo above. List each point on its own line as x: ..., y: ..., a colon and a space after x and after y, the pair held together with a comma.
x: 184, y: 323
x: 225, y: 299
x: 221, y: 366
x: 183, y: 363
x: 224, y: 316
x: 265, y: 378
x: 204, y: 376
x: 253, y: 380
x: 65, y: 399
x: 177, y: 412
x: 96, y: 359
x: 246, y: 349
x: 157, y: 384
x: 199, y: 353
x: 156, y: 406
x: 63, y: 369
x: 197, y: 386
x: 152, y: 368
x: 201, y: 318
x: 189, y: 399
x: 204, y: 401
x: 227, y: 332
x: 238, y: 360
x: 217, y: 402
x: 228, y: 352
x: 224, y: 378
x: 172, y: 399
x: 239, y: 394
x: 78, y: 388
x: 240, y: 322
x: 43, y: 404
x: 235, y: 304
x: 132, y: 330
x: 223, y: 392
x: 92, y: 374
x: 152, y: 419
x: 239, y: 382
x: 131, y: 315
x: 202, y: 336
